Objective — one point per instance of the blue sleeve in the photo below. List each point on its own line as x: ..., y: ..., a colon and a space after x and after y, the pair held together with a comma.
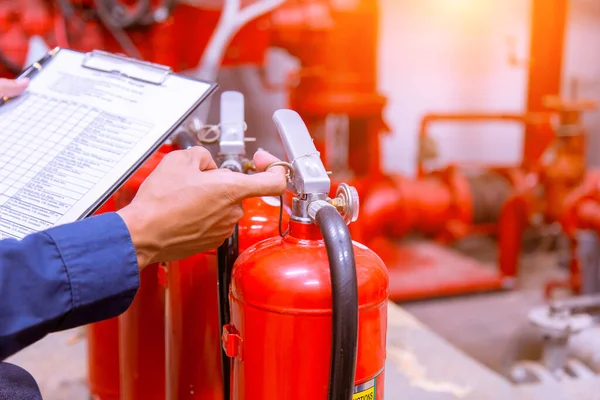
x: 64, y: 277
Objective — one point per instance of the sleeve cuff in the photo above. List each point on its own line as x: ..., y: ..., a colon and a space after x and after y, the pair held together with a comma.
x: 101, y: 265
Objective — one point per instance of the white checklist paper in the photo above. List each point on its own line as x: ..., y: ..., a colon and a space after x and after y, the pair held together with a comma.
x: 74, y: 134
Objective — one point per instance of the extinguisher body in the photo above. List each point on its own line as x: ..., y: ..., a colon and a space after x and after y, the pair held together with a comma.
x: 193, y: 329
x: 103, y: 359
x: 280, y: 336
x: 140, y: 330
x: 103, y: 348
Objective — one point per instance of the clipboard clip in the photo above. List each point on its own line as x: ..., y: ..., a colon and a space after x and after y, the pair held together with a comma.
x: 131, y: 68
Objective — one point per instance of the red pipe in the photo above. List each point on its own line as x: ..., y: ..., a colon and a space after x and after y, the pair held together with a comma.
x: 438, y: 205
x: 514, y: 219
x: 537, y: 123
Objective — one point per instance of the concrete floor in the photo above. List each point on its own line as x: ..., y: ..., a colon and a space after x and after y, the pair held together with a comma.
x: 492, y: 328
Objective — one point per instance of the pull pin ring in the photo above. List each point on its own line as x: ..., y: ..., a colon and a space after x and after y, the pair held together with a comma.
x: 288, y: 176
x: 289, y: 167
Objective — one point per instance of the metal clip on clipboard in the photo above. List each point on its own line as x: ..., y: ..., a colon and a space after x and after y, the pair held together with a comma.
x: 131, y: 68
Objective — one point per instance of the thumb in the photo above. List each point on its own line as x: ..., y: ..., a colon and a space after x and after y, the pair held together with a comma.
x: 12, y: 88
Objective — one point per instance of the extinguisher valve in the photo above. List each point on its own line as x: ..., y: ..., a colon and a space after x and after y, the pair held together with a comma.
x: 232, y: 128
x: 308, y: 178
x: 233, y: 125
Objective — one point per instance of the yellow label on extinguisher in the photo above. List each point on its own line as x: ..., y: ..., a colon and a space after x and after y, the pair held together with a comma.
x: 368, y: 394
x: 366, y: 391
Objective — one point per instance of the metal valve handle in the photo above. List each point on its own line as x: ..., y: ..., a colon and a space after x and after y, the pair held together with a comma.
x: 233, y: 124
x: 309, y: 174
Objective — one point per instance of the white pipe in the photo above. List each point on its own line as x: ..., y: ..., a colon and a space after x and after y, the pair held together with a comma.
x: 232, y: 19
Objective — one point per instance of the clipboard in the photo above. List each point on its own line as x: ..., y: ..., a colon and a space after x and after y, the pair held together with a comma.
x: 126, y: 72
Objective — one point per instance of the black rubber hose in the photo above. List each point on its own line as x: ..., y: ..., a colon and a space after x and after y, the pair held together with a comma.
x: 344, y: 293
x: 185, y: 140
x: 115, y: 13
x: 227, y: 253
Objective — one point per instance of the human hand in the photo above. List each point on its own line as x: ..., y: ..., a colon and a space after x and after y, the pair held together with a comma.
x: 188, y: 206
x: 12, y: 87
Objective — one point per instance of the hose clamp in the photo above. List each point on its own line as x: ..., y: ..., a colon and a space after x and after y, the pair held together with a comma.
x: 315, y: 206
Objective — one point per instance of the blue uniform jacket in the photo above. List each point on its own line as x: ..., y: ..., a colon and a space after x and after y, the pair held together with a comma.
x: 64, y: 277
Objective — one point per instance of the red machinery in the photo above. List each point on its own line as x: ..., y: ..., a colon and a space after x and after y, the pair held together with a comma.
x: 335, y: 90
x: 448, y: 204
x: 170, y: 35
x: 193, y: 320
x: 581, y: 212
x: 445, y: 204
x: 560, y: 169
x: 289, y: 303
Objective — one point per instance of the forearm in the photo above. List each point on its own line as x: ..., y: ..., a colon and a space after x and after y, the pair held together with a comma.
x: 67, y: 276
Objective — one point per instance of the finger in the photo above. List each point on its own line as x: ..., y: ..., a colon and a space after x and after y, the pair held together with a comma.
x: 262, y: 160
x: 271, y: 183
x: 201, y: 157
x: 12, y: 88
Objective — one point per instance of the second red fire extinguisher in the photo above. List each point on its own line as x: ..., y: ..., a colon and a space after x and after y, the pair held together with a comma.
x: 194, y: 355
x: 104, y: 361
x: 308, y: 311
x: 141, y: 327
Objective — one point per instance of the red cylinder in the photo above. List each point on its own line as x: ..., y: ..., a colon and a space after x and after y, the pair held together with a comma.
x: 142, y: 341
x: 103, y: 349
x: 193, y: 331
x: 280, y: 332
x: 103, y: 337
x: 103, y: 359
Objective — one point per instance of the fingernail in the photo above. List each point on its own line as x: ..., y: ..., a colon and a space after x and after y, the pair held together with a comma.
x: 22, y: 81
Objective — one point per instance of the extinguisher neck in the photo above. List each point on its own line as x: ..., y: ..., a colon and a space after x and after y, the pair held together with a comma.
x: 300, y: 206
x: 304, y: 231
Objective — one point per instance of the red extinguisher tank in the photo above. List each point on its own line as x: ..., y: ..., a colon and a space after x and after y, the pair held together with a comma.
x: 103, y: 337
x: 194, y: 355
x: 141, y: 327
x: 193, y: 330
x: 309, y: 310
x: 103, y: 348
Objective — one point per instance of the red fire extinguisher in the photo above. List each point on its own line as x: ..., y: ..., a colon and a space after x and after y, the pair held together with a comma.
x: 103, y: 353
x: 194, y: 352
x: 309, y: 309
x: 141, y: 327
x: 137, y: 344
